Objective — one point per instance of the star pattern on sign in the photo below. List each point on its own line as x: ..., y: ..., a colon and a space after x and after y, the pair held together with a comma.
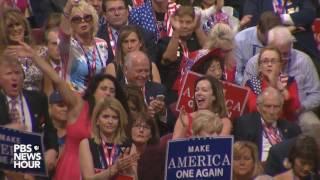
x: 255, y: 84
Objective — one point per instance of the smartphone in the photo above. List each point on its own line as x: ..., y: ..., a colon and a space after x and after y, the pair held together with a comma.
x: 160, y: 97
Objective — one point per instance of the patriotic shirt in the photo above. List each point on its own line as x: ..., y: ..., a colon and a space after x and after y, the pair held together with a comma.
x: 81, y: 64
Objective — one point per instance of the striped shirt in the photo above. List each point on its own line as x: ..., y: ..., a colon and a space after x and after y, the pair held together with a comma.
x: 301, y: 67
x: 247, y: 45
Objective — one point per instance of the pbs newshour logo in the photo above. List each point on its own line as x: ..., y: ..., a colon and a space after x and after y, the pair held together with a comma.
x: 26, y: 156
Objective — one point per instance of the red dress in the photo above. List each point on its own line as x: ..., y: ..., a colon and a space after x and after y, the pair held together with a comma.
x: 256, y: 86
x: 68, y: 167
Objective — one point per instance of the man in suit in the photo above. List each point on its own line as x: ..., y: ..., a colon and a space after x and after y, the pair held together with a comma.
x: 137, y: 72
x: 264, y: 128
x: 280, y: 152
x: 53, y: 58
x: 116, y: 13
x: 25, y: 110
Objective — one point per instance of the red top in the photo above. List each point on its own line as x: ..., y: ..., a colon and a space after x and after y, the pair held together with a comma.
x: 68, y: 166
x: 290, y: 105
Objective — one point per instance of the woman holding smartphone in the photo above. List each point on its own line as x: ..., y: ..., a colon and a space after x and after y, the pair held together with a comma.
x: 104, y: 156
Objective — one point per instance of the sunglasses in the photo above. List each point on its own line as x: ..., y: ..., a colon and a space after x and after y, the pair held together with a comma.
x: 78, y: 19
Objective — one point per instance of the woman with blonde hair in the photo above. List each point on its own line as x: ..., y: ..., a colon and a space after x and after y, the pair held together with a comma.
x: 15, y: 29
x: 222, y: 37
x: 206, y: 123
x: 83, y: 54
x: 246, y: 163
x: 102, y: 156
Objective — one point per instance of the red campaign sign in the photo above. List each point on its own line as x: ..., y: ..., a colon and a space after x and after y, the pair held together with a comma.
x: 186, y: 94
x: 236, y: 99
x: 235, y: 96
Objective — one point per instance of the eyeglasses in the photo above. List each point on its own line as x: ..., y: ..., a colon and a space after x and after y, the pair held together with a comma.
x: 78, y: 19
x: 267, y: 61
x: 143, y: 126
x: 118, y: 9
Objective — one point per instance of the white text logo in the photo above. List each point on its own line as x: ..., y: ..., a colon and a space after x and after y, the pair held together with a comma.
x: 26, y: 156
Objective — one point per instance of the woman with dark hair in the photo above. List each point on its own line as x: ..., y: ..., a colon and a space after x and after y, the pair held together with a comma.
x: 208, y: 95
x: 212, y: 64
x: 145, y: 138
x: 105, y: 85
x: 303, y: 159
x: 79, y: 110
x: 130, y: 39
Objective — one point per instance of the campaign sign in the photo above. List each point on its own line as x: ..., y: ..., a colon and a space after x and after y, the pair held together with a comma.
x: 186, y: 94
x: 22, y: 152
x: 236, y: 99
x: 200, y: 158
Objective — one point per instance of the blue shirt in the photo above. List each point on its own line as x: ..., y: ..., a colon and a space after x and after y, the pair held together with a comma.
x: 247, y: 45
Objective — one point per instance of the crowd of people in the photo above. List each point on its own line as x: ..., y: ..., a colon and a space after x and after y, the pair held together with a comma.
x: 100, y: 79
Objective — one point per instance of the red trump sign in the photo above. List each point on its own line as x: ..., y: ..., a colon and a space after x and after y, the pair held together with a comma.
x: 235, y: 96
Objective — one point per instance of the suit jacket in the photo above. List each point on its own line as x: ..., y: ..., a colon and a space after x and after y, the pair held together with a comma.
x: 152, y: 89
x: 277, y: 154
x: 249, y: 128
x: 42, y: 9
x: 148, y: 40
x: 38, y: 108
x: 304, y: 15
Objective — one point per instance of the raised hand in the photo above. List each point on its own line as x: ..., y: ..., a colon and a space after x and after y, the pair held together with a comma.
x: 174, y: 20
x: 196, y: 21
x: 219, y: 4
x: 245, y: 20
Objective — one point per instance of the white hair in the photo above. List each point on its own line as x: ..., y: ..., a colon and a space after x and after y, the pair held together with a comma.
x: 267, y: 92
x: 128, y: 59
x: 280, y: 35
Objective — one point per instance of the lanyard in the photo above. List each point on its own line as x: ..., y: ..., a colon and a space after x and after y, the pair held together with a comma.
x: 91, y: 66
x: 109, y: 157
x: 113, y: 41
